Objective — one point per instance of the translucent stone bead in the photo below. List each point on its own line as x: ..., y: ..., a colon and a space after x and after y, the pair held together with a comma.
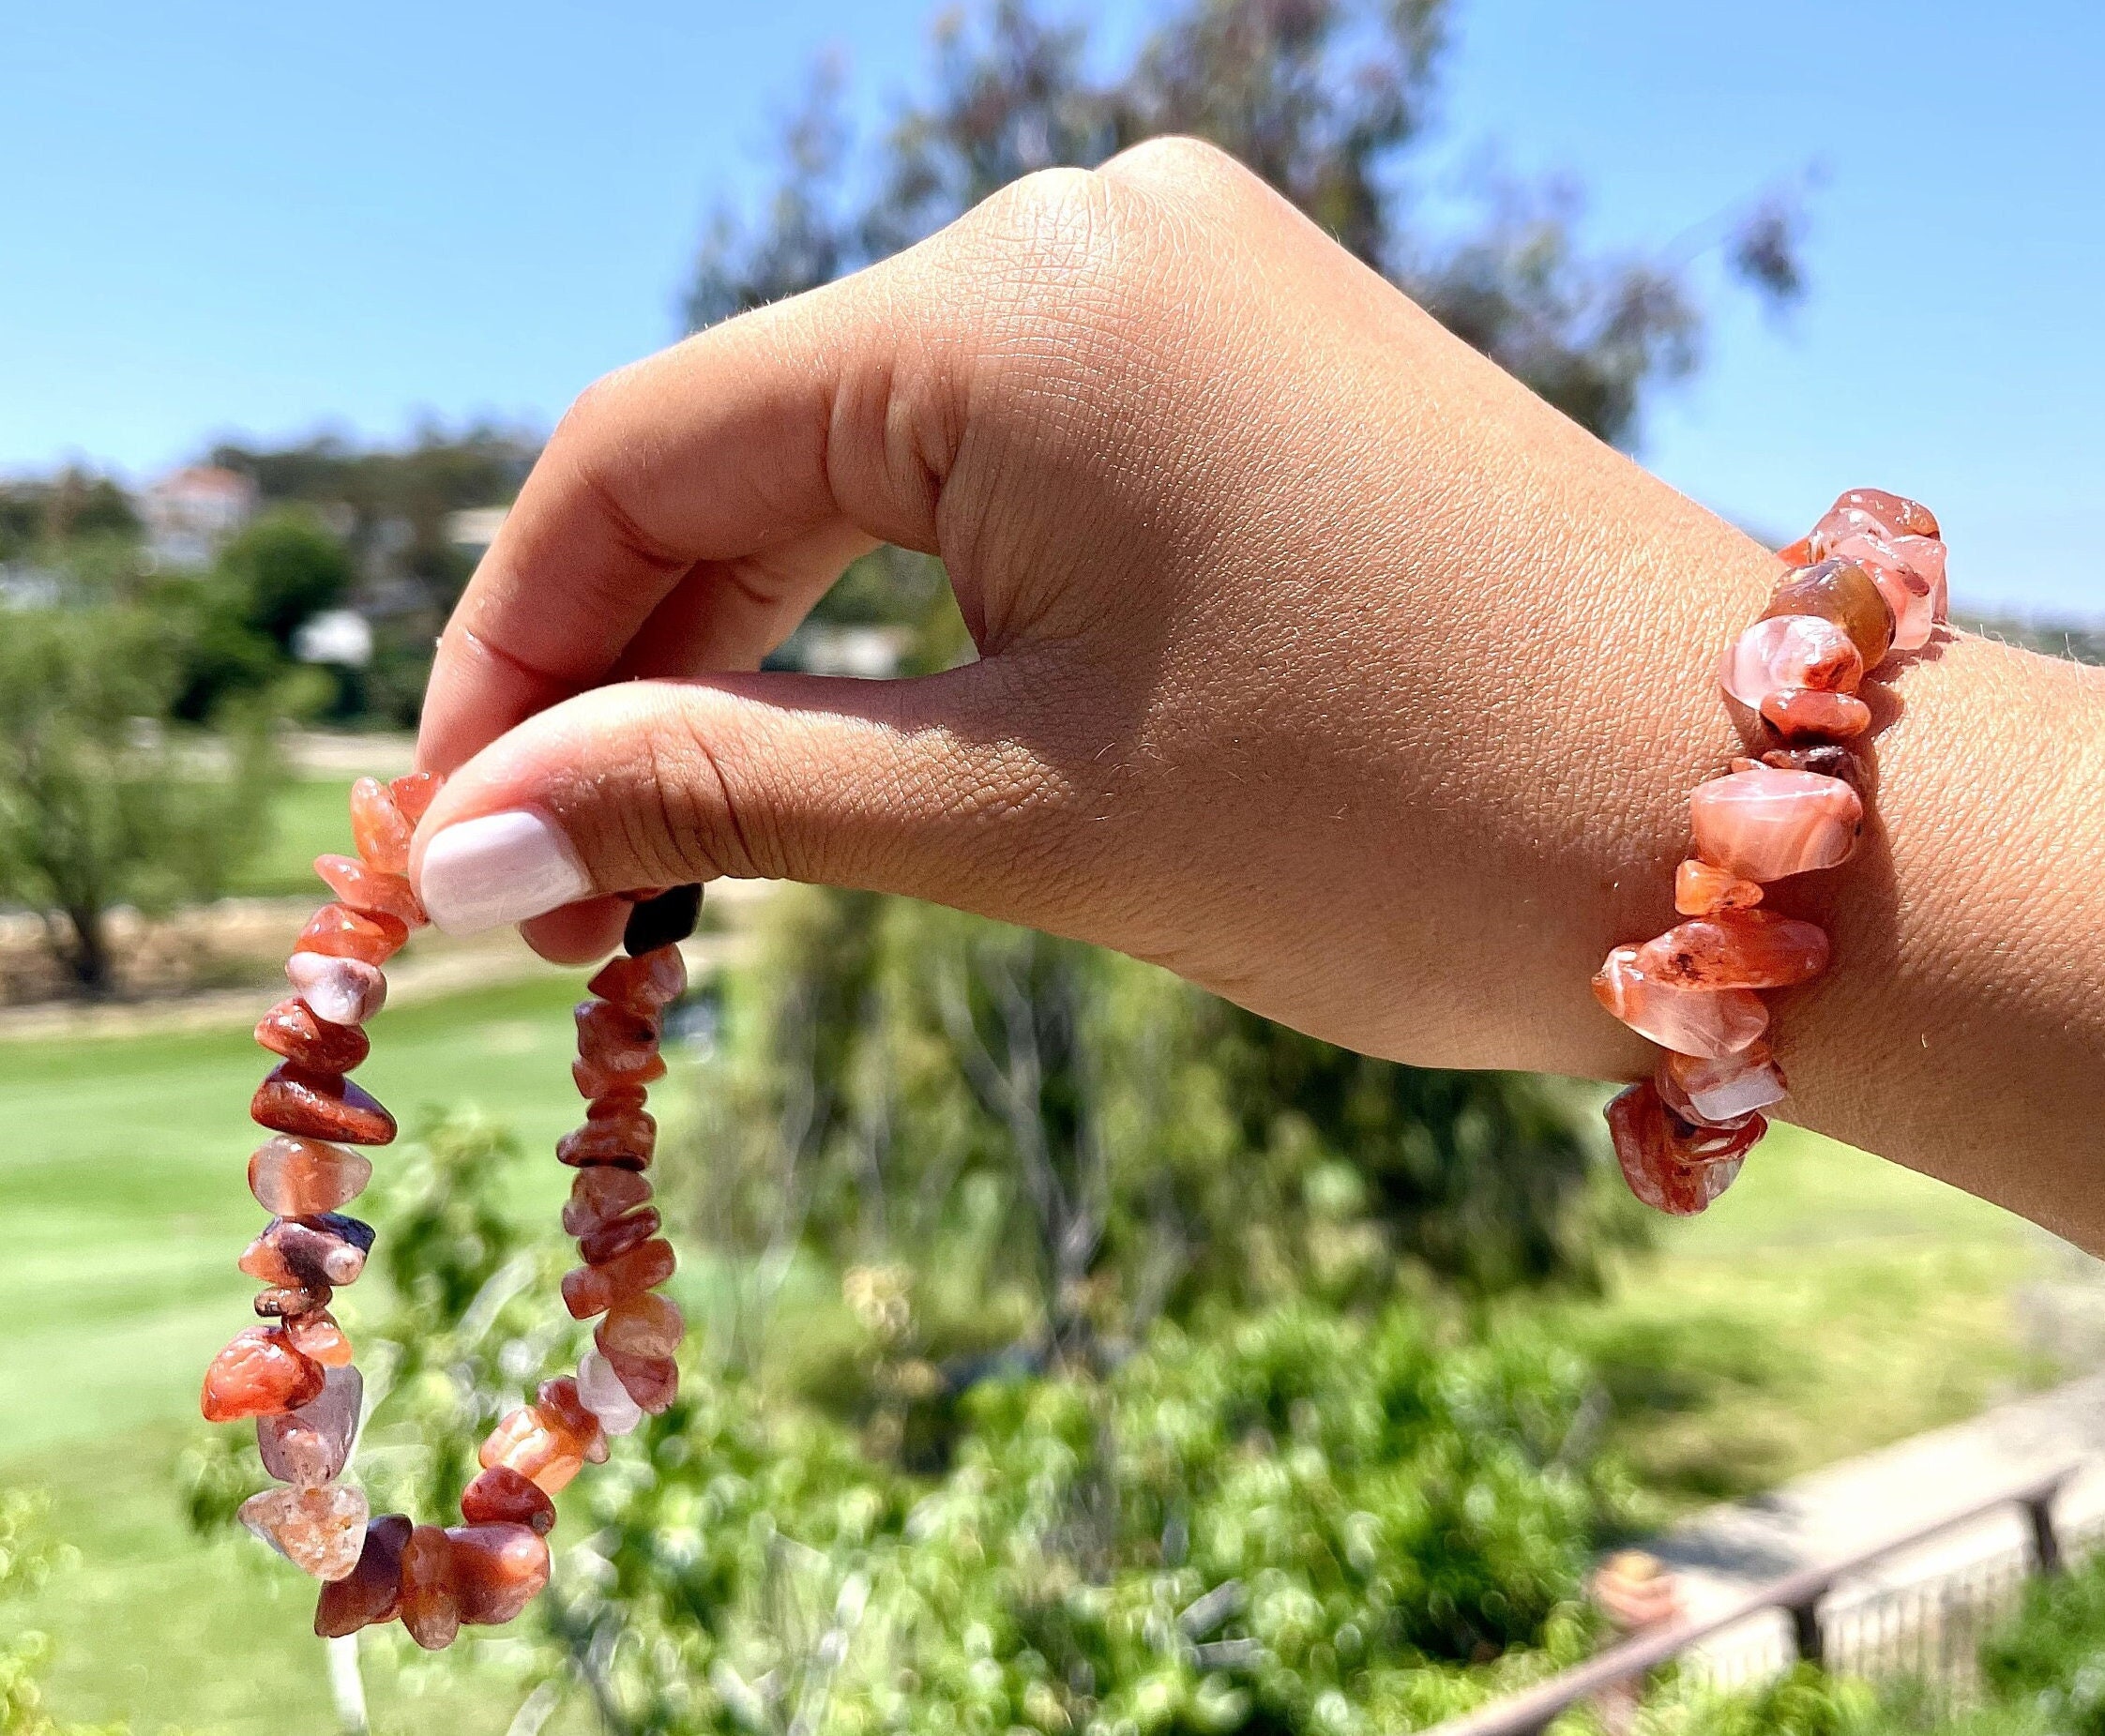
x: 259, y: 1374
x: 614, y: 1037
x: 292, y: 1301
x: 1670, y: 1166
x: 290, y: 1028
x: 1806, y: 713
x: 497, y: 1569
x: 1768, y: 824
x: 295, y: 1178
x: 599, y: 1195
x: 317, y: 1336
x: 414, y: 792
x: 1721, y: 1092
x: 429, y: 1609
x: 610, y: 1241
x: 321, y: 1530
x: 625, y: 1139
x: 642, y: 984
x: 605, y: 1396
x: 378, y: 828
x: 1699, y: 889
x: 312, y: 1444
x: 338, y: 931
x: 595, y: 1080
x: 1693, y: 1022
x: 1790, y: 651
x: 652, y: 1381
x: 344, y: 991
x: 368, y: 889
x: 594, y: 1290
x: 1906, y: 592
x: 1844, y: 594
x: 558, y: 1402
x: 1896, y: 514
x: 1826, y: 758
x: 644, y: 1325
x: 1735, y: 949
x: 320, y: 1105
x: 327, y: 1248
x: 501, y: 1496
x: 371, y: 1591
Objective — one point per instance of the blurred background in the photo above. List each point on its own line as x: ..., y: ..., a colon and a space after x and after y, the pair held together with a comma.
x: 1071, y: 1351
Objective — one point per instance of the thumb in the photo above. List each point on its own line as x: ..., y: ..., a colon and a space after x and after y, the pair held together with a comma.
x: 910, y: 786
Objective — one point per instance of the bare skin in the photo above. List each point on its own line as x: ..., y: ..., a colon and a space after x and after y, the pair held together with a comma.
x: 1319, y: 662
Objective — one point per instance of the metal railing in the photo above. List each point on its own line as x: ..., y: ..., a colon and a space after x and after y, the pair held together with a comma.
x: 1943, y: 1626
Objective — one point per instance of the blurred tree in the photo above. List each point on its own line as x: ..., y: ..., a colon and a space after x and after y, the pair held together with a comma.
x: 281, y: 571
x: 99, y: 805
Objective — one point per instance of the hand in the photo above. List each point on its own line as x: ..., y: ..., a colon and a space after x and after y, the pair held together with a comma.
x: 1320, y: 662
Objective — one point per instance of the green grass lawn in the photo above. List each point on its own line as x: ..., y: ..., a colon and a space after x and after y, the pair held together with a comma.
x: 1828, y: 1304
x: 310, y: 816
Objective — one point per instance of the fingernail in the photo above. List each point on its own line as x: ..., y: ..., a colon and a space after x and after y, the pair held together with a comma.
x: 503, y: 867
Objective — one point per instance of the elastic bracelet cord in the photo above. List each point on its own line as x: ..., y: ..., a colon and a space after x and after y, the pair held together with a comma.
x: 1869, y: 580
x: 293, y: 1374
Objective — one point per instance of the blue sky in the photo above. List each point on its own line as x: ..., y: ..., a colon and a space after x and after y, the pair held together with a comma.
x: 262, y: 218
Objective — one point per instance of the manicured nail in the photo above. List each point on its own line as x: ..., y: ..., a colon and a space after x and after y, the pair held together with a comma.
x: 503, y: 867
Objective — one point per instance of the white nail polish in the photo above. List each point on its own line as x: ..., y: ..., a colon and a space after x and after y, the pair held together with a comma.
x: 503, y: 867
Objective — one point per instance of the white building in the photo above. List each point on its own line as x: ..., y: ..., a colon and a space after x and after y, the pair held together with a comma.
x: 191, y: 512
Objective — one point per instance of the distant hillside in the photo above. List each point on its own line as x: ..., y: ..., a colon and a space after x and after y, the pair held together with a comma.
x: 2080, y: 641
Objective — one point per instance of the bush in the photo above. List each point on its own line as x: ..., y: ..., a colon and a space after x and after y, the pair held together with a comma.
x: 2052, y: 1654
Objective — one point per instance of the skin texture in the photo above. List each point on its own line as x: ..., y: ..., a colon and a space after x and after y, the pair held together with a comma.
x: 1319, y: 662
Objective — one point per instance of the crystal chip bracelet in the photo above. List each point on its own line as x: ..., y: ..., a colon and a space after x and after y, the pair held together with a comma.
x: 294, y: 1372
x: 1869, y: 580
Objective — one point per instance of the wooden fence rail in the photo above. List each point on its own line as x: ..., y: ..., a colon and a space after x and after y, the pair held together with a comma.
x: 1798, y: 1595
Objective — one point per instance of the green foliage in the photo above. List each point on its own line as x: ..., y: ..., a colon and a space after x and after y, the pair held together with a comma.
x: 27, y: 1558
x: 282, y: 570
x: 2052, y: 1654
x: 41, y: 517
x: 97, y: 805
x: 1804, y: 1700
x: 1288, y: 1522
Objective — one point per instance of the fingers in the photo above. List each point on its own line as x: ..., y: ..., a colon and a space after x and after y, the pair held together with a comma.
x: 685, y: 514
x: 941, y: 787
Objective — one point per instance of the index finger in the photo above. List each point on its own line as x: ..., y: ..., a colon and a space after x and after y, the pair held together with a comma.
x: 716, y: 450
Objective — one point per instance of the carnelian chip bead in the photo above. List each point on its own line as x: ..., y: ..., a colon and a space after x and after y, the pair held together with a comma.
x: 1735, y: 949
x: 595, y: 1080
x: 320, y: 1530
x: 652, y: 1381
x: 648, y: 984
x: 344, y: 991
x: 258, y: 1374
x: 599, y: 1195
x: 614, y: 1036
x: 327, y: 1248
x: 295, y: 1178
x: 593, y: 1289
x: 338, y: 931
x: 1718, y: 1094
x: 501, y: 1496
x: 368, y: 889
x: 292, y: 1029
x: 320, y: 1105
x: 625, y: 1141
x: 610, y: 1241
x: 413, y: 794
x: 1801, y: 713
x: 378, y: 828
x: 318, y: 1336
x: 644, y: 1325
x: 1693, y: 1022
x: 556, y: 1402
x: 311, y: 1445
x: 1901, y: 516
x: 1656, y: 1151
x: 1765, y: 824
x: 371, y: 1591
x: 524, y: 1442
x: 1699, y: 889
x: 290, y: 1301
x: 429, y: 1609
x: 495, y: 1569
x: 1843, y: 593
x: 1790, y: 651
